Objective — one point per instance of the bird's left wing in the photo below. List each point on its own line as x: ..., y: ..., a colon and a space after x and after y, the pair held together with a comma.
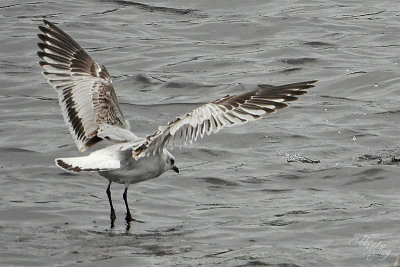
x: 224, y: 112
x: 86, y: 94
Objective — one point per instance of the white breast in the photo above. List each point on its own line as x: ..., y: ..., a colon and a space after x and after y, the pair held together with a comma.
x: 135, y: 171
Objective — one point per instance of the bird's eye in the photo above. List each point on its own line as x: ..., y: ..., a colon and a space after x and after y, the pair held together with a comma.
x: 172, y: 161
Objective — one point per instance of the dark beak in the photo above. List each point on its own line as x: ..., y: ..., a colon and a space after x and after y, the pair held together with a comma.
x: 175, y: 169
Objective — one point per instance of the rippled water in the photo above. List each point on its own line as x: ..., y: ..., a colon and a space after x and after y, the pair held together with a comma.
x: 247, y: 196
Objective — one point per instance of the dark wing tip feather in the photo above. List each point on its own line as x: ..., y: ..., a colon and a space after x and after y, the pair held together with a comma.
x: 92, y: 141
x: 57, y: 34
x: 43, y: 29
x: 50, y: 26
x: 298, y: 85
x: 54, y: 57
x: 62, y: 164
x: 42, y: 46
x: 45, y: 21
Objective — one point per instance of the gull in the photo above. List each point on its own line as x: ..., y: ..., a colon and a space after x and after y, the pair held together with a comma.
x: 91, y: 111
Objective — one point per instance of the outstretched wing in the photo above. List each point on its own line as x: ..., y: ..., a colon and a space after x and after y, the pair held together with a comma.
x: 225, y: 112
x: 85, y: 91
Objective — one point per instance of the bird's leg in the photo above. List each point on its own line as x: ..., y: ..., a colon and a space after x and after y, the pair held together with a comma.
x: 112, y: 214
x: 128, y: 217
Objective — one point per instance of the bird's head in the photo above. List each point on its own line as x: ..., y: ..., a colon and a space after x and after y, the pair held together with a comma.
x: 170, y: 162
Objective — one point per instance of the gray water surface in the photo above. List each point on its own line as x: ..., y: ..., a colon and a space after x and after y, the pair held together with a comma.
x: 244, y: 197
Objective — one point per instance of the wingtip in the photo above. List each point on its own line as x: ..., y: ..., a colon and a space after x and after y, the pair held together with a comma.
x: 42, y: 63
x: 47, y: 23
x: 42, y: 28
x: 40, y: 54
x: 48, y: 26
x: 41, y: 46
x: 305, y: 85
x: 310, y: 84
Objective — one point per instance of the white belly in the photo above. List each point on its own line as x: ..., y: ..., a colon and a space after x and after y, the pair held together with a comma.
x: 136, y: 171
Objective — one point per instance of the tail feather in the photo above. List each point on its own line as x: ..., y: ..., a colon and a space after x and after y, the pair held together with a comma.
x: 88, y: 163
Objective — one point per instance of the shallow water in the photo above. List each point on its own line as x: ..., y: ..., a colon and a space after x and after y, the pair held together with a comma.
x: 246, y: 196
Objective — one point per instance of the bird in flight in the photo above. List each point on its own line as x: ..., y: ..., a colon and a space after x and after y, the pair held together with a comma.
x: 91, y: 111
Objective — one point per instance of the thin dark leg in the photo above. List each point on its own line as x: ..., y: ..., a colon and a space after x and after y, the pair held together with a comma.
x: 128, y: 217
x: 112, y: 214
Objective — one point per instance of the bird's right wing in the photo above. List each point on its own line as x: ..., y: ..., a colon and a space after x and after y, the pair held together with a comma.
x: 85, y: 91
x: 224, y: 112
